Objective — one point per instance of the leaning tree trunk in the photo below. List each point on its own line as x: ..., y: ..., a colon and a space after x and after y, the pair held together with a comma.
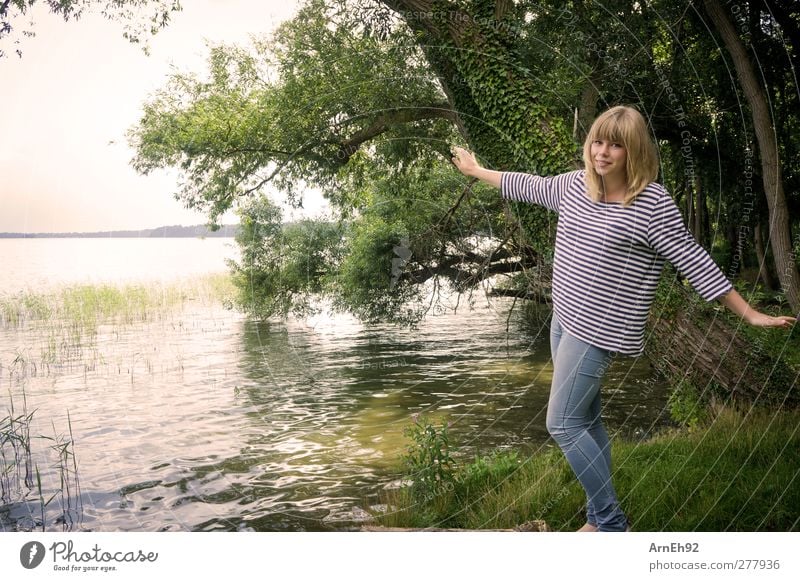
x: 692, y: 343
x: 779, y: 235
x: 510, y: 130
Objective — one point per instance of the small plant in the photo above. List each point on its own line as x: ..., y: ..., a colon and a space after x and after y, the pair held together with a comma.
x: 427, y: 460
x: 686, y: 406
x: 487, y: 472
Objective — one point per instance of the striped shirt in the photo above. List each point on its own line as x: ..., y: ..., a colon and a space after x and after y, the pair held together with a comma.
x: 609, y: 258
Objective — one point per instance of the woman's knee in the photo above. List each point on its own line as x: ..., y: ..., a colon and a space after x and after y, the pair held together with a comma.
x: 557, y: 427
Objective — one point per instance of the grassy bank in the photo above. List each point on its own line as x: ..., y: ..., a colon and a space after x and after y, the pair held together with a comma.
x: 738, y: 472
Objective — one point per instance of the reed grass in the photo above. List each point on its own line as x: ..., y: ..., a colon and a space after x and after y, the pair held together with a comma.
x: 738, y: 472
x: 86, y: 306
x: 20, y: 474
x: 15, y: 452
x: 61, y: 326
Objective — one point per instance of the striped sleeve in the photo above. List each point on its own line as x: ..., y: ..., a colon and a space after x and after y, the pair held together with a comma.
x: 544, y: 191
x: 669, y: 237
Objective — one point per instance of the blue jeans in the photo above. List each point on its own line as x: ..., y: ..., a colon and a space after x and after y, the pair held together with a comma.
x: 573, y: 420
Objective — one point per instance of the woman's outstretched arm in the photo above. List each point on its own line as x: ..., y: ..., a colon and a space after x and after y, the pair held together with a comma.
x: 734, y: 301
x: 468, y: 165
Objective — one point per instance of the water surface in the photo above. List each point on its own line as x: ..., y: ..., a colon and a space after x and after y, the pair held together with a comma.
x: 199, y: 419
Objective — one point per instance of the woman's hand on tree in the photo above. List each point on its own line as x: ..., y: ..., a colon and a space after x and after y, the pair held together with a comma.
x: 734, y: 301
x: 761, y: 320
x: 464, y: 160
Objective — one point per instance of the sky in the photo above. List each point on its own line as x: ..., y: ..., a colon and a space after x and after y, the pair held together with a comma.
x: 66, y: 105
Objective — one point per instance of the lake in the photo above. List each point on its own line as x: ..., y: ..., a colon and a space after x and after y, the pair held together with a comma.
x: 196, y: 418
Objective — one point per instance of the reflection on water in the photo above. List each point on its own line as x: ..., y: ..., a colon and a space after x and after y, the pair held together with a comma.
x: 203, y: 420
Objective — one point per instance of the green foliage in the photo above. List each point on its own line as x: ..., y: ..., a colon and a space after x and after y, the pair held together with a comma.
x: 353, y: 100
x: 283, y: 267
x: 427, y: 460
x: 687, y: 407
x: 442, y: 489
x: 365, y: 277
x: 484, y: 474
x: 138, y: 23
x: 775, y: 352
x: 293, y: 109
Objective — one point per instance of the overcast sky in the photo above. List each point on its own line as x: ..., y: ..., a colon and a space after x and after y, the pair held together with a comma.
x: 66, y: 105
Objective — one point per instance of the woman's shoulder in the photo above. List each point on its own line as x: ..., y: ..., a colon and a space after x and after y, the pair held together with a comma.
x: 571, y: 179
x: 653, y: 194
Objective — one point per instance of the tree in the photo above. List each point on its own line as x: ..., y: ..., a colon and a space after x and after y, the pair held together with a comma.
x: 363, y: 99
x: 137, y: 24
x: 779, y: 228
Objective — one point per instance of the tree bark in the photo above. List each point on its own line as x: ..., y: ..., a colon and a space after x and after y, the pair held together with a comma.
x: 587, y: 110
x: 735, y: 244
x: 700, y: 212
x: 391, y: 117
x: 764, y: 273
x: 779, y: 231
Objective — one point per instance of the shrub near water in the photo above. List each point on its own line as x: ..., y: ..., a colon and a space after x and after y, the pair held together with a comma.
x: 737, y: 472
x: 428, y: 461
x: 439, y: 487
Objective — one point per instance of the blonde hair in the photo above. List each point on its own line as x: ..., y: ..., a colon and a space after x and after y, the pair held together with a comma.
x: 626, y: 126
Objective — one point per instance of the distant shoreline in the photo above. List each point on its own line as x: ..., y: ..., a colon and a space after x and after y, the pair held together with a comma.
x: 199, y: 231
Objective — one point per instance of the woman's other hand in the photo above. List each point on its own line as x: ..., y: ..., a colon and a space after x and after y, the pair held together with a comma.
x: 734, y: 301
x: 758, y: 319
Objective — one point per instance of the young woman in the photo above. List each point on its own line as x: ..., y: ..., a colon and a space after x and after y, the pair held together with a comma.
x: 616, y: 228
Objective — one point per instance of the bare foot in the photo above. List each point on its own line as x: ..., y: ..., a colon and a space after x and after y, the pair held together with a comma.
x: 587, y: 528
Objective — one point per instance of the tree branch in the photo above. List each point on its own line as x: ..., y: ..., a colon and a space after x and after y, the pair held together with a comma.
x: 390, y: 117
x: 518, y: 294
x: 305, y: 149
x: 462, y: 278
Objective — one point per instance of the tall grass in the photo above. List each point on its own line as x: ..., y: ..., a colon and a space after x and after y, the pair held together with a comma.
x: 85, y: 306
x: 61, y: 329
x: 64, y: 323
x: 16, y: 462
x: 20, y: 463
x: 738, y: 472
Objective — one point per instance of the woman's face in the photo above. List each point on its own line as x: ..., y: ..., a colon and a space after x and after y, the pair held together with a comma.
x: 609, y: 158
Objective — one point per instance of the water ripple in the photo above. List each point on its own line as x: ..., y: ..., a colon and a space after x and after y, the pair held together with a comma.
x: 206, y: 421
